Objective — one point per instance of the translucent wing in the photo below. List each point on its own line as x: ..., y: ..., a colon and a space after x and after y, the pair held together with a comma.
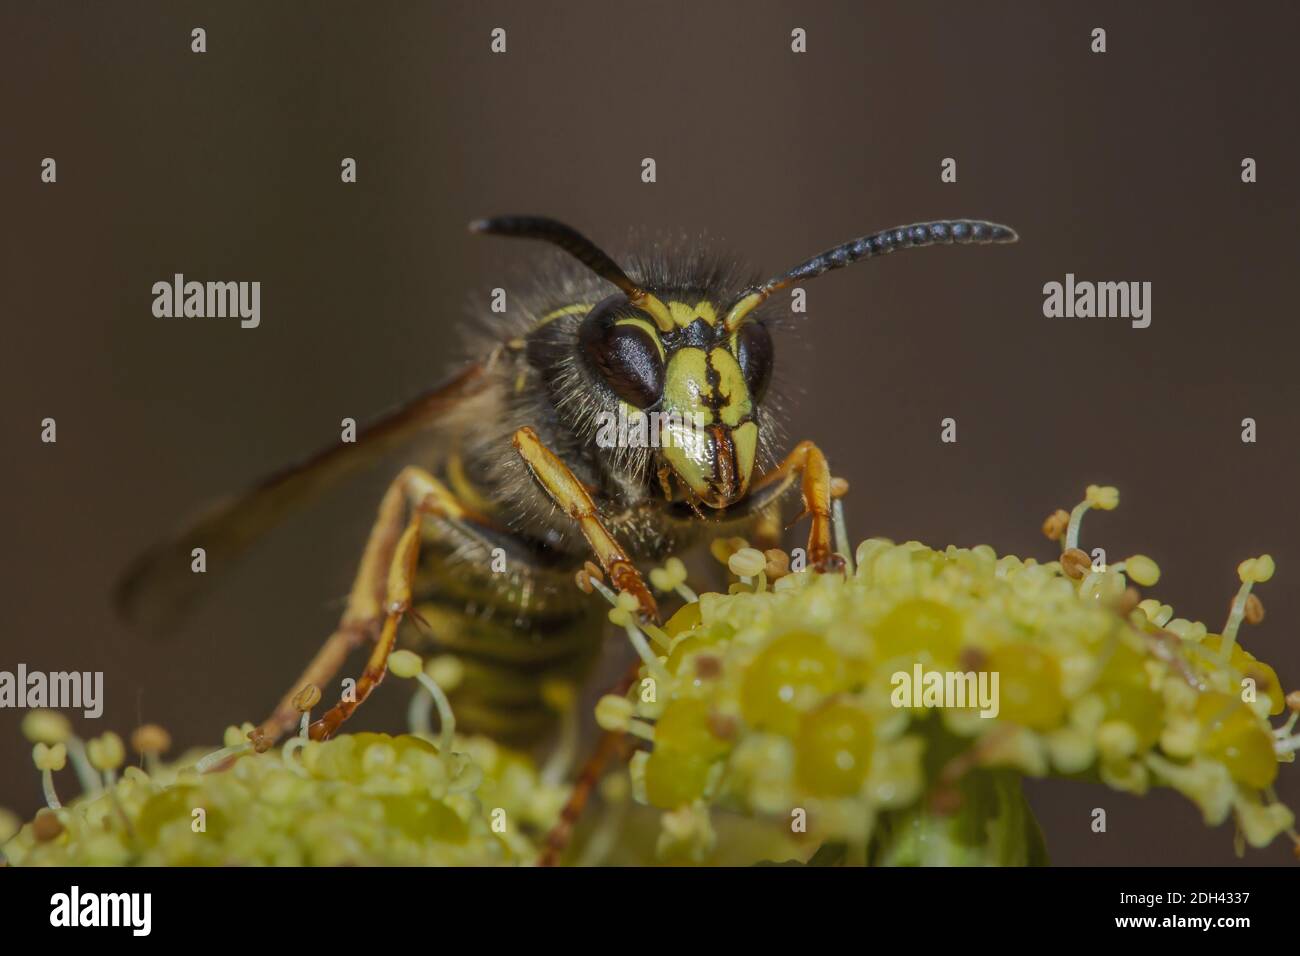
x: 159, y: 587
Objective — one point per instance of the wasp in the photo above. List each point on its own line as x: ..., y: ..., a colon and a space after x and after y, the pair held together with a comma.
x: 503, y: 462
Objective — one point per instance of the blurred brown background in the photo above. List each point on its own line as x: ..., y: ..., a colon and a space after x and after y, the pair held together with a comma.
x: 1122, y: 166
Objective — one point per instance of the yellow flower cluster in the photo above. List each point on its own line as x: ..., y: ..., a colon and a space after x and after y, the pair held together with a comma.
x: 834, y: 702
x: 360, y: 799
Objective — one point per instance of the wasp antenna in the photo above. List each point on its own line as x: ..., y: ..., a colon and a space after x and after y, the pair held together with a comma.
x: 942, y: 232
x: 582, y: 249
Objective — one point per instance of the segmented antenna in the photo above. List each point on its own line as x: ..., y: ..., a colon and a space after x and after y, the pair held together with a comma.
x: 582, y: 249
x: 944, y: 231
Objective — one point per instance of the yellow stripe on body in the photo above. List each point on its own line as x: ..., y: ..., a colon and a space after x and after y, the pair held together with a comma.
x: 564, y: 310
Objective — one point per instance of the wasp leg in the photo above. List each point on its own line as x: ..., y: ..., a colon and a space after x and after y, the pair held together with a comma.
x: 570, y: 495
x: 366, y: 614
x: 808, y: 462
x: 612, y: 747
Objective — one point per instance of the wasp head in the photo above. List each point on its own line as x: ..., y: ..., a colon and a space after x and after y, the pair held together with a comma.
x: 695, y: 367
x: 694, y: 387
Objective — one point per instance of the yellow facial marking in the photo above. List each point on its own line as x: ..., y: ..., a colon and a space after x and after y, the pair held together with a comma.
x: 732, y: 391
x: 686, y: 386
x: 704, y: 310
x: 684, y: 314
x: 745, y: 439
x: 649, y: 328
x: 707, y: 388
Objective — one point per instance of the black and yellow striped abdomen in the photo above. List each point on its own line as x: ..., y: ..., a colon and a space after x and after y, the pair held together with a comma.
x: 513, y: 616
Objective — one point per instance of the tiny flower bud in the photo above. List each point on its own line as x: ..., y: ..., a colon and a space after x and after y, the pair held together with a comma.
x: 1075, y: 563
x: 446, y: 671
x: 306, y: 699
x: 723, y: 726
x: 747, y: 562
x: 1162, y: 615
x: 839, y: 487
x: 46, y: 726
x: 50, y: 756
x: 1055, y: 525
x: 670, y: 576
x: 405, y: 663
x: 778, y: 563
x: 723, y: 548
x: 1254, y: 609
x: 151, y: 739
x: 106, y: 752
x: 1293, y: 700
x: 707, y: 666
x: 1105, y: 497
x: 1256, y: 570
x: 47, y: 826
x: 1116, y: 739
x: 1142, y: 570
x: 613, y: 713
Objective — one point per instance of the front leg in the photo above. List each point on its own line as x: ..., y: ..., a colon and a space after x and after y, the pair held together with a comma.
x: 380, y: 581
x: 569, y: 494
x: 808, y: 462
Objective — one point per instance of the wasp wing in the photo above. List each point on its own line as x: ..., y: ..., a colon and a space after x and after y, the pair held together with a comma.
x: 159, y: 587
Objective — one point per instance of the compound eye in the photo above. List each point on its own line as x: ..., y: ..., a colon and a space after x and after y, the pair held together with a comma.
x: 755, y: 355
x: 624, y: 353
